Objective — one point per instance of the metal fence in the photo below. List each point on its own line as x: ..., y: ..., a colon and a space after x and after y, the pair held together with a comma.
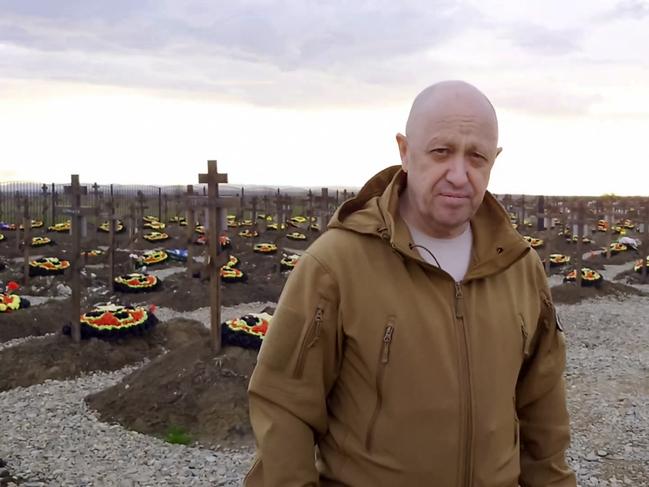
x: 46, y: 201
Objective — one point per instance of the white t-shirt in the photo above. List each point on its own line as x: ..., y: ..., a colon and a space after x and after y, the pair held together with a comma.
x: 452, y: 254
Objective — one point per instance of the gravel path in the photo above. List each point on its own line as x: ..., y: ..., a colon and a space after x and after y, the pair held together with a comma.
x: 608, y: 390
x: 53, y: 438
x: 47, y: 434
x: 18, y: 341
x: 38, y: 300
x: 203, y: 314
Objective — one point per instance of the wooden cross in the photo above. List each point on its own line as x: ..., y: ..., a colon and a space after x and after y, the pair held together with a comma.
x: 540, y: 213
x: 323, y: 199
x: 254, y: 203
x: 279, y: 208
x: 141, y: 202
x: 645, y: 241
x: 160, y: 204
x: 190, y: 217
x: 44, y: 191
x: 111, y: 216
x: 241, y: 204
x: 266, y: 205
x: 177, y: 198
x: 547, y: 231
x: 96, y: 202
x: 53, y: 205
x: 580, y: 235
x: 27, y: 242
x: 310, y: 200
x: 214, y: 204
x: 76, y: 213
x: 18, y: 200
x: 611, y: 224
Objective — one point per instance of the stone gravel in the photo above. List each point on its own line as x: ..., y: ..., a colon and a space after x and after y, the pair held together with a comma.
x: 48, y: 435
x: 51, y: 437
x: 203, y: 314
x: 18, y: 341
x: 608, y: 389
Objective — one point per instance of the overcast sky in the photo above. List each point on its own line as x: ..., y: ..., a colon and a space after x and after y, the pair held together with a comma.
x: 308, y: 92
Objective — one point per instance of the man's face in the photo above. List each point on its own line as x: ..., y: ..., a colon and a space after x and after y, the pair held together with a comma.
x: 448, y: 157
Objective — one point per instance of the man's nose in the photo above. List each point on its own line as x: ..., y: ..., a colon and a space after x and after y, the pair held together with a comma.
x: 457, y: 171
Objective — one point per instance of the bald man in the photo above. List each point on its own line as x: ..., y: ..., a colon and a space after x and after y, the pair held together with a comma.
x: 416, y: 343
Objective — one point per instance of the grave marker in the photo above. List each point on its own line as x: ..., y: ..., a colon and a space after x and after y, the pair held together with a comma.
x: 215, y: 205
x: 76, y: 213
x: 27, y: 225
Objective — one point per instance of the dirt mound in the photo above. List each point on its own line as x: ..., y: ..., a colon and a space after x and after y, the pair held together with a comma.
x: 617, y: 259
x: 630, y: 276
x: 187, y: 389
x: 57, y: 357
x: 569, y: 293
x: 33, y: 321
x: 182, y: 293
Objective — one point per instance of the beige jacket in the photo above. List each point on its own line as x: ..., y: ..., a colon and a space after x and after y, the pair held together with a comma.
x: 401, y: 377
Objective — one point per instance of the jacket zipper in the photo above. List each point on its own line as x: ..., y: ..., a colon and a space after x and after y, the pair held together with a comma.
x: 525, y: 335
x: 384, y: 358
x: 310, y: 339
x: 467, y: 456
x: 516, y: 425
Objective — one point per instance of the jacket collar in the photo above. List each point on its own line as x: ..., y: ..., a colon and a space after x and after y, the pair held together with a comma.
x: 375, y: 211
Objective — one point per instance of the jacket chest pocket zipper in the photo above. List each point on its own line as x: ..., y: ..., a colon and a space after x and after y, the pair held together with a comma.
x: 310, y: 339
x: 525, y: 337
x: 384, y: 359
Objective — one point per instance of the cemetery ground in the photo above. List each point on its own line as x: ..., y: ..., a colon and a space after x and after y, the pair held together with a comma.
x: 163, y: 409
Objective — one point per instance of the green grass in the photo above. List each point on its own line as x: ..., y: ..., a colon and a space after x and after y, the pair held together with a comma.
x: 177, y: 436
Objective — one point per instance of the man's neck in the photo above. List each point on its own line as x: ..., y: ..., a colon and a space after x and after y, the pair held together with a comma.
x: 413, y: 219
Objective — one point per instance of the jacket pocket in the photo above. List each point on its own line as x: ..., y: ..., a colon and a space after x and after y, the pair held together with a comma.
x: 384, y: 359
x: 311, y: 337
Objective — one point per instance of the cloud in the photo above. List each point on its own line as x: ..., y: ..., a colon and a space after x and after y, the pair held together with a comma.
x: 286, y: 52
x: 630, y: 9
x: 552, y: 101
x: 286, y: 34
x: 309, y: 53
x: 76, y: 10
x: 544, y: 40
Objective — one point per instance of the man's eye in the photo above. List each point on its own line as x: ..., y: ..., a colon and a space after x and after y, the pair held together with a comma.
x: 479, y: 156
x: 440, y: 151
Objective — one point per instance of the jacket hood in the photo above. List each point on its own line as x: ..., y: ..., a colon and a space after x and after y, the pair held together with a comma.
x: 374, y: 211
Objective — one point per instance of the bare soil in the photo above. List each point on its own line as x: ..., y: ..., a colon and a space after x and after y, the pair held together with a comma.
x: 57, y: 357
x: 32, y: 321
x: 187, y: 388
x: 569, y: 293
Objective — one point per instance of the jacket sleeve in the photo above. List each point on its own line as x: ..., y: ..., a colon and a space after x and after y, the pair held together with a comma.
x: 541, y: 406
x: 296, y: 368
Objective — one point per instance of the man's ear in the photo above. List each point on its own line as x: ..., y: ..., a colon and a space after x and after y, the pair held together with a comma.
x: 498, y: 151
x: 402, y: 142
